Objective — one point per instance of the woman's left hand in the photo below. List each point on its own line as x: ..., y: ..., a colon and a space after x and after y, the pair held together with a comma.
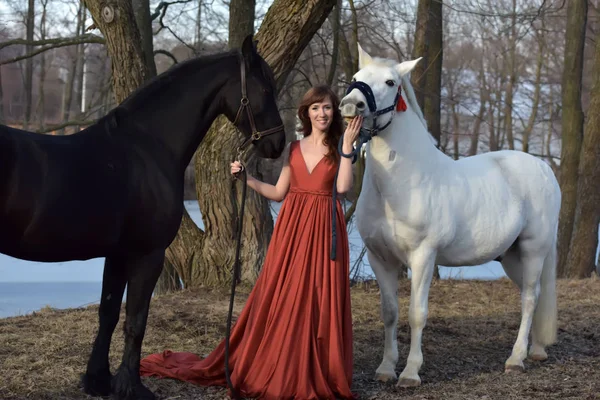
x: 352, y: 131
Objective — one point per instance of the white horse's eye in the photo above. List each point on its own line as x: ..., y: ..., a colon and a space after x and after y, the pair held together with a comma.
x: 390, y: 82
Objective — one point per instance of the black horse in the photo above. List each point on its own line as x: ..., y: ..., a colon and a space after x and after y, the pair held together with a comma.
x: 115, y: 189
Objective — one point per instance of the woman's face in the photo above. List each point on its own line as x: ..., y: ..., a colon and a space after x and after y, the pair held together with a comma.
x: 321, y: 115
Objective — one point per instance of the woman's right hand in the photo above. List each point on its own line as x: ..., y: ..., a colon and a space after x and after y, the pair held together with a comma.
x: 236, y: 167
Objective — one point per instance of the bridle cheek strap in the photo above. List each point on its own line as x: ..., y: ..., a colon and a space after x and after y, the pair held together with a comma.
x: 245, y: 105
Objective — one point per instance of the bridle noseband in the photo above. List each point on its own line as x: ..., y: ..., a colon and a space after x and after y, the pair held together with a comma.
x: 245, y: 105
x: 366, y: 90
x: 367, y: 134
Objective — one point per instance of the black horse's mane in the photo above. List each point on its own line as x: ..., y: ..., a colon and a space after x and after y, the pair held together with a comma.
x: 114, y: 118
x: 184, y: 68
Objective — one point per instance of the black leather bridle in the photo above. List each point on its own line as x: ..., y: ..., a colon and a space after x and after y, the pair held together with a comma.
x: 245, y: 105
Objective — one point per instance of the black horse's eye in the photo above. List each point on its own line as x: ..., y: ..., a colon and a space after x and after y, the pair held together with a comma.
x: 390, y: 82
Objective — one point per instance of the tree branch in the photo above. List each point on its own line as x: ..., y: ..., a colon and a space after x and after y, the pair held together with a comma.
x: 57, y: 42
x: 166, y: 53
x: 163, y: 5
x: 52, y: 44
x: 66, y: 124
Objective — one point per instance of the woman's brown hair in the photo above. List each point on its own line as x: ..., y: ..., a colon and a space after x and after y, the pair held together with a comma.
x: 317, y: 94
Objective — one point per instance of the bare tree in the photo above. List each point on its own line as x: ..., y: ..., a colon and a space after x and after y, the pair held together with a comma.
x: 584, y: 240
x: 29, y: 63
x: 572, y: 125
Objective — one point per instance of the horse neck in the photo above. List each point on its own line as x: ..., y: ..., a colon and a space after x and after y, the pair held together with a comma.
x: 404, y: 147
x: 179, y: 113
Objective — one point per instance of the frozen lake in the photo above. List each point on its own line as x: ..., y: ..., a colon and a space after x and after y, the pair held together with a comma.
x: 28, y: 286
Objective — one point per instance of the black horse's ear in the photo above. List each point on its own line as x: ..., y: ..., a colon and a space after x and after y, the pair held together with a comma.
x: 249, y: 50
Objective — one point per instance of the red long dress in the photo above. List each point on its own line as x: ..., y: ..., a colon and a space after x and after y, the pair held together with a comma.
x: 293, y: 339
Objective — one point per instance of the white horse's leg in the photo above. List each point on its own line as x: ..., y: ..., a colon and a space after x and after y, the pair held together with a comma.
x: 387, y: 278
x: 421, y: 265
x: 524, y: 268
x: 543, y: 330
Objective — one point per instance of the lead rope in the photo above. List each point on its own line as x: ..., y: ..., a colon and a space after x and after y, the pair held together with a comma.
x: 235, y: 280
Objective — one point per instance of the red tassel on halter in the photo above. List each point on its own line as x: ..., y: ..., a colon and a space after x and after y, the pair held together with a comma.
x: 401, y: 105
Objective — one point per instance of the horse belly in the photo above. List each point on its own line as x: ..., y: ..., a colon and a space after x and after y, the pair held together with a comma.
x: 60, y: 234
x: 482, y: 238
x: 60, y: 217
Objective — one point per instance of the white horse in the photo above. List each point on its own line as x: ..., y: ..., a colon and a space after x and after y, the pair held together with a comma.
x: 420, y: 208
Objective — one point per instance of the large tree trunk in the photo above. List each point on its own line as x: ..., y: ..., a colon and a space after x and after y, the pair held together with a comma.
x: 432, y: 82
x: 584, y: 240
x: 116, y: 21
x: 206, y: 257
x: 241, y: 21
x: 141, y: 10
x: 572, y: 125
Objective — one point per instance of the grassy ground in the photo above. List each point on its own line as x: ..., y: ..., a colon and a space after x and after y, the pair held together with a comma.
x: 470, y: 333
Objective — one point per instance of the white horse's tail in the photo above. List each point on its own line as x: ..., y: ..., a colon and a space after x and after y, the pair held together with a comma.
x: 545, y: 317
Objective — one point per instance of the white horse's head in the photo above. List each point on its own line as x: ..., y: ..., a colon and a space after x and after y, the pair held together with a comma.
x: 379, y: 89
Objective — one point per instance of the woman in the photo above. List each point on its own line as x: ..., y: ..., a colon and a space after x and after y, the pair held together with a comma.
x: 293, y: 339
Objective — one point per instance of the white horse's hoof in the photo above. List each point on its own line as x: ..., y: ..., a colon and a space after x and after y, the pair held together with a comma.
x: 385, y: 376
x: 538, y: 357
x: 409, y: 382
x: 509, y: 368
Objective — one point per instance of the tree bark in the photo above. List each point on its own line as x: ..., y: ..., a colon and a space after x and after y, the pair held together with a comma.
x: 241, y: 21
x: 123, y: 41
x: 198, y: 37
x: 29, y: 64
x: 141, y: 10
x: 206, y: 257
x: 335, y: 27
x: 433, y: 81
x: 421, y: 49
x: 40, y: 108
x: 572, y: 125
x: 512, y: 79
x: 584, y: 240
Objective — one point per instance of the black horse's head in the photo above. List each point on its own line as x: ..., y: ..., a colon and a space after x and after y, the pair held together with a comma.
x: 251, y: 103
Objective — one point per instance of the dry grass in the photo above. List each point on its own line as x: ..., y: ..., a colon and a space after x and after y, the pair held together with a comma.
x: 470, y: 333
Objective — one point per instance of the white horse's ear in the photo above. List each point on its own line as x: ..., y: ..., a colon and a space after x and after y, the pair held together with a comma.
x: 363, y: 58
x: 407, y: 66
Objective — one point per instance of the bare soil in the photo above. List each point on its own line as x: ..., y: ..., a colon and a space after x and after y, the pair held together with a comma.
x: 471, y: 329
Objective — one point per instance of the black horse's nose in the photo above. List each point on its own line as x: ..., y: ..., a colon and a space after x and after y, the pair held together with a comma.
x: 360, y: 105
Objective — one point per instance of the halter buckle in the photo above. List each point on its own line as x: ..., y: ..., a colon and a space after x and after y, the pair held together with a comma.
x: 244, y: 101
x: 256, y: 135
